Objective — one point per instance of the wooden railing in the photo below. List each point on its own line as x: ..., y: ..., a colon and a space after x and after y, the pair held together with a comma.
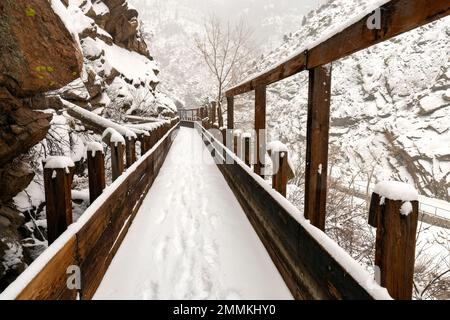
x: 397, y: 17
x: 91, y: 243
x: 310, y: 263
x: 204, y: 115
x: 192, y: 114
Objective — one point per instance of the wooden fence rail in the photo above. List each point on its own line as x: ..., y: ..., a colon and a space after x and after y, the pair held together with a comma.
x: 93, y: 241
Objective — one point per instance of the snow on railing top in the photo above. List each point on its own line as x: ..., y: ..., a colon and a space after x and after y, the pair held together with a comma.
x: 99, y: 120
x: 95, y: 147
x: 112, y: 136
x: 395, y: 190
x: 151, y: 126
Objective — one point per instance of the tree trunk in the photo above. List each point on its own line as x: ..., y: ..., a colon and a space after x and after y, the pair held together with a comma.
x: 219, y: 108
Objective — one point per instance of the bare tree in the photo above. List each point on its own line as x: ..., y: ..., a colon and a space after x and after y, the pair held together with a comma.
x: 225, y: 48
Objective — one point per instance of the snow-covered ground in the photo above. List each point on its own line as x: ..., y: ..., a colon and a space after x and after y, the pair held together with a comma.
x: 191, y: 239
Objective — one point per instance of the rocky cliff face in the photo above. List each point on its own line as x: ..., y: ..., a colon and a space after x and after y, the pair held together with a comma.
x: 37, y: 54
x: 119, y: 74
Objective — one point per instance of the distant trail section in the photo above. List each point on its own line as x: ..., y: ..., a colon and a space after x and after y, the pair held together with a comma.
x: 191, y: 239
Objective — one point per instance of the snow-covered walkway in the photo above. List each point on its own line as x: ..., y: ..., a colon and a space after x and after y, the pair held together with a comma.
x: 191, y: 239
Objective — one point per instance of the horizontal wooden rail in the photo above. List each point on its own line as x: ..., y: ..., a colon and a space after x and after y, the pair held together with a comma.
x: 312, y: 265
x: 397, y: 17
x: 91, y: 243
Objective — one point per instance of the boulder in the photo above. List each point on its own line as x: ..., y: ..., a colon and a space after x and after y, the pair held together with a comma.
x: 123, y: 26
x: 14, y: 178
x: 20, y: 127
x: 38, y: 53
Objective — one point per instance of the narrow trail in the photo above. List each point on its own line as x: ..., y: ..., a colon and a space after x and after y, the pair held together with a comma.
x: 191, y: 239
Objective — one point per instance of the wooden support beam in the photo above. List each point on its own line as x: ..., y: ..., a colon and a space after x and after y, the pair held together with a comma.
x: 96, y: 170
x: 117, y: 160
x: 396, y: 243
x: 130, y: 151
x: 58, y: 199
x: 230, y: 112
x: 317, y: 145
x: 280, y: 176
x: 260, y: 128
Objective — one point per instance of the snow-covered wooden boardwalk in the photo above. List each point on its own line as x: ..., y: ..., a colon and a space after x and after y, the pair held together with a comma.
x: 191, y: 239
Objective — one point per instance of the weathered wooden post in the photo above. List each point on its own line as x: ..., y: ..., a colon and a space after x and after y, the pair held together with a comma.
x: 144, y: 143
x: 58, y: 173
x: 117, y: 160
x: 316, y: 171
x: 116, y: 142
x: 260, y: 127
x: 237, y: 142
x: 96, y: 170
x: 224, y: 142
x: 394, y: 212
x: 230, y: 112
x: 246, y: 137
x: 281, y: 171
x: 160, y: 132
x: 130, y: 151
x: 279, y: 179
x: 154, y: 137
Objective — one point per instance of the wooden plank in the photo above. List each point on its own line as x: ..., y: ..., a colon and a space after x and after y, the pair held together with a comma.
x: 397, y: 17
x: 260, y: 127
x: 51, y: 282
x: 317, y: 136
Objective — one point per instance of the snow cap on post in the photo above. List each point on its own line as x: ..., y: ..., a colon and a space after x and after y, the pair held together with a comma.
x: 397, y: 191
x: 279, y: 147
x: 112, y: 136
x: 237, y: 132
x: 59, y: 162
x: 94, y: 147
x: 276, y: 146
